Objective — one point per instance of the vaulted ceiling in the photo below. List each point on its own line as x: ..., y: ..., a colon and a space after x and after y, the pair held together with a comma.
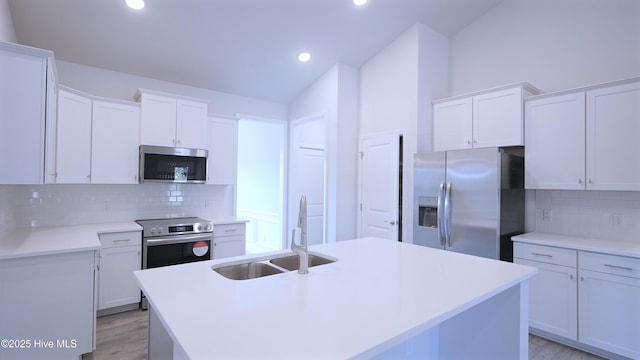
x: 242, y: 47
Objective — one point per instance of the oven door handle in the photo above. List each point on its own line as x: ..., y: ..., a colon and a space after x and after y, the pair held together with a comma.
x: 177, y: 239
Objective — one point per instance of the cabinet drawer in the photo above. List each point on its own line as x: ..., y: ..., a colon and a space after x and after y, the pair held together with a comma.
x: 547, y: 254
x: 121, y: 239
x: 611, y: 264
x: 228, y: 229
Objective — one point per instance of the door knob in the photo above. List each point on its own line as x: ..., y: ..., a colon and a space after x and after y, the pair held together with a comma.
x: 392, y: 222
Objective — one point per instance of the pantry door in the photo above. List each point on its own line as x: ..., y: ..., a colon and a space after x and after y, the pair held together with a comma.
x: 379, y: 190
x: 307, y: 176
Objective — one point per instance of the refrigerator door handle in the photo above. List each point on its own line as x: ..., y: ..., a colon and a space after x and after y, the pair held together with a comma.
x: 440, y: 214
x: 447, y: 210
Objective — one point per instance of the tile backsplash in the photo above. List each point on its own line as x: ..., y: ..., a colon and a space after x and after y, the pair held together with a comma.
x: 61, y: 205
x: 610, y: 215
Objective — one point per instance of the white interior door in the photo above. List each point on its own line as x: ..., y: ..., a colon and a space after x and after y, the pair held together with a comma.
x: 307, y: 171
x: 379, y: 186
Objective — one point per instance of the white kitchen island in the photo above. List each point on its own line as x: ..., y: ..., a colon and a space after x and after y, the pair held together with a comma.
x: 379, y: 299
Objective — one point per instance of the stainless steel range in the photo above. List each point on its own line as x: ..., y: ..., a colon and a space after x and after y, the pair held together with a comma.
x: 174, y: 241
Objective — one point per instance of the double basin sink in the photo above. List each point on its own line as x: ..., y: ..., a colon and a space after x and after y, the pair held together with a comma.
x: 259, y: 267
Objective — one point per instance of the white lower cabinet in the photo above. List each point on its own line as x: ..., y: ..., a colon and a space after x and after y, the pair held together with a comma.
x: 47, y: 306
x: 609, y: 303
x: 119, y: 257
x: 228, y: 240
x: 586, y: 297
x: 553, y: 305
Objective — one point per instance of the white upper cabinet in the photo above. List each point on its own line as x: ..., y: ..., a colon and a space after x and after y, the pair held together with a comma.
x: 73, y: 143
x: 452, y: 124
x: 170, y: 120
x: 486, y: 119
x: 114, y: 149
x: 613, y: 148
x: 222, y: 160
x: 191, y: 124
x: 585, y: 139
x: 554, y: 142
x: 27, y: 88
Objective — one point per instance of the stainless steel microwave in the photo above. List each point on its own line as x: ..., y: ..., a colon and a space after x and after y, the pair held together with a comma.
x: 169, y: 164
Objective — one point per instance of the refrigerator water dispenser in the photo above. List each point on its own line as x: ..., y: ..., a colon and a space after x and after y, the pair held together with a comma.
x: 428, y: 211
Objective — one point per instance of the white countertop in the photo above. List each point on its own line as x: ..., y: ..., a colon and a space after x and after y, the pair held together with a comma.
x: 613, y: 247
x: 376, y: 295
x: 23, y: 242
x: 228, y: 220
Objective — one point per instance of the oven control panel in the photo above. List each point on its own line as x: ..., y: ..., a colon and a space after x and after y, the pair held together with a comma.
x: 176, y: 226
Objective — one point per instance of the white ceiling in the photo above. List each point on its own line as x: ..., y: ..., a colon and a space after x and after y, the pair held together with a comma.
x: 242, y: 47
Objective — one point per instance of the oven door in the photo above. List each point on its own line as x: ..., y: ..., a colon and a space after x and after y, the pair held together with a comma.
x: 174, y: 250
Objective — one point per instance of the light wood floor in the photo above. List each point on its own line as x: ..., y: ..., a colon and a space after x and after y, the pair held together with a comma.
x: 123, y: 336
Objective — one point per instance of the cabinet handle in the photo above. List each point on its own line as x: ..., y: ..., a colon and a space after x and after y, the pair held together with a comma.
x: 231, y: 230
x: 469, y: 142
x: 475, y: 141
x: 579, y: 181
x: 590, y: 181
x: 570, y: 276
x: 539, y: 254
x: 618, y: 267
x: 121, y: 240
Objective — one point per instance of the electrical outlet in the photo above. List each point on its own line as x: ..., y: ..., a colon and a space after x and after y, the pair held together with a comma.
x: 617, y: 219
x: 546, y: 214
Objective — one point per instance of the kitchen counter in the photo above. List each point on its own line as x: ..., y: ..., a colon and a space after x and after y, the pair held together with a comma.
x: 228, y: 220
x: 24, y: 242
x: 379, y: 298
x: 621, y: 248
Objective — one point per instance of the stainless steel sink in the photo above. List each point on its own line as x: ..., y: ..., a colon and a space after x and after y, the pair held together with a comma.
x: 247, y: 271
x: 292, y: 262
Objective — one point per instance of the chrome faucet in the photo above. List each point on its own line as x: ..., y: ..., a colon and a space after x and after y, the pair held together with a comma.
x: 301, y: 249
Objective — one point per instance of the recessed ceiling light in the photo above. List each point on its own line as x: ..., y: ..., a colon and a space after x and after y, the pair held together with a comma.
x: 304, y: 57
x: 359, y: 2
x: 135, y: 4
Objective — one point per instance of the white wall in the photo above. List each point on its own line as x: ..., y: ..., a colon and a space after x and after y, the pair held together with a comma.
x: 111, y: 84
x: 552, y: 44
x: 7, y: 31
x: 396, y: 89
x: 557, y: 45
x: 335, y: 95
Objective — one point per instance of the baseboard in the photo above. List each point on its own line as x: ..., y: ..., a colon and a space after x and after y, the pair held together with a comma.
x: 118, y: 309
x: 577, y: 345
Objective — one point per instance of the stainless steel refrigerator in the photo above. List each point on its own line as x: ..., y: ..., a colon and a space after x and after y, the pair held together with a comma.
x: 469, y: 201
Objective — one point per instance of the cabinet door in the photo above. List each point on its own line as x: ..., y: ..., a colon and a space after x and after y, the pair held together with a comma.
x: 228, y: 246
x: 114, y: 153
x: 48, y: 298
x: 609, y: 311
x: 222, y: 136
x: 158, y: 120
x: 498, y: 118
x: 553, y: 301
x: 613, y: 149
x: 51, y: 126
x: 22, y: 118
x: 117, y: 284
x: 452, y: 125
x: 73, y: 145
x: 191, y: 124
x: 555, y: 142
